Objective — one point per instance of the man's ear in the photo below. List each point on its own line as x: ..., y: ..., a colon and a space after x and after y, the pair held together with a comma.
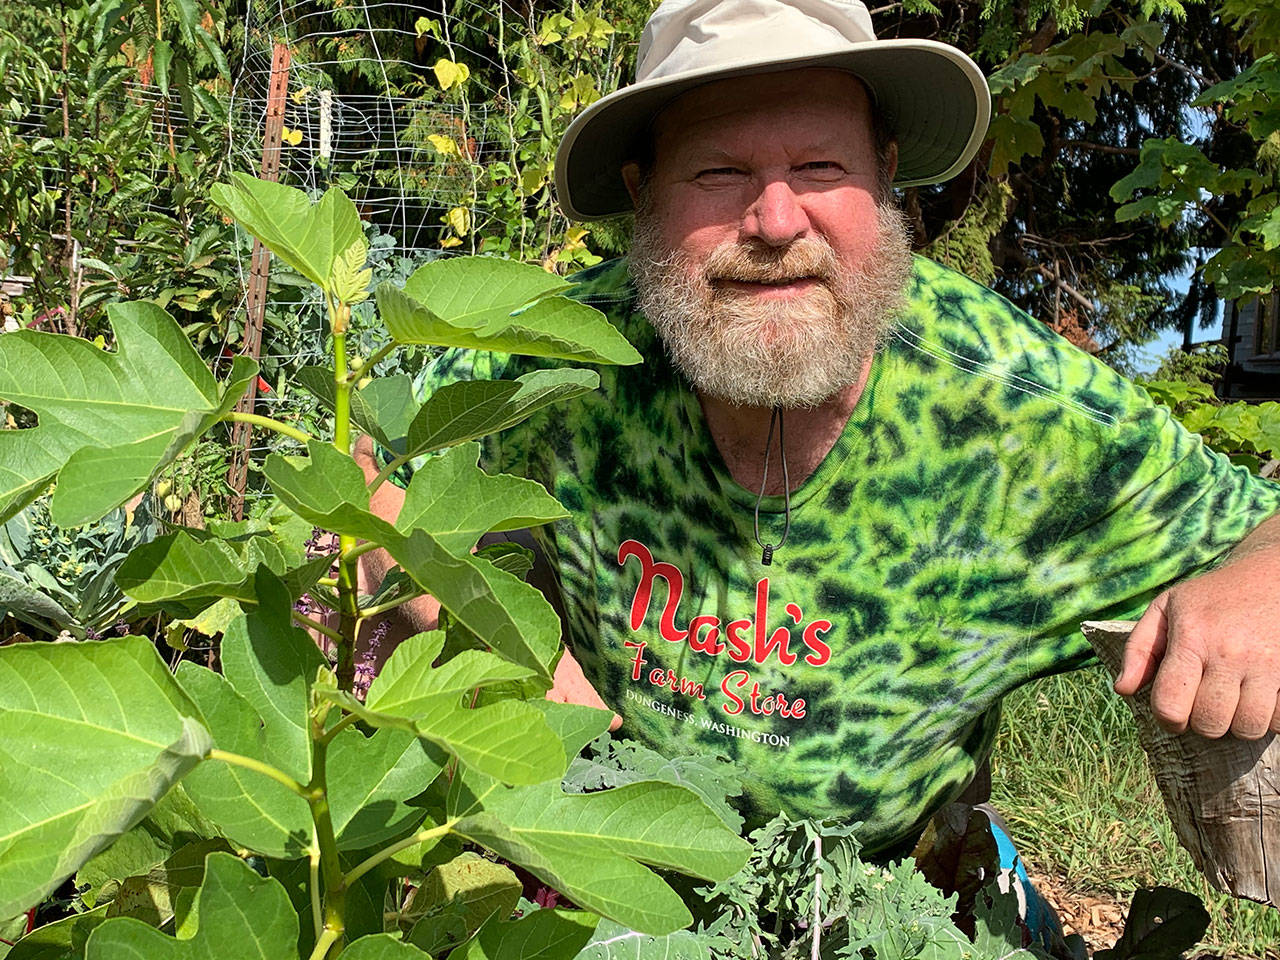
x: 891, y: 161
x: 631, y: 177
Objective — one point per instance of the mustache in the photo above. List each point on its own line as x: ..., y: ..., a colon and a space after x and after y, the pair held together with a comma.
x: 805, y: 258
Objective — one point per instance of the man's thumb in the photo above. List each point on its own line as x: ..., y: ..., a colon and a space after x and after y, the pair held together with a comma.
x: 1143, y: 650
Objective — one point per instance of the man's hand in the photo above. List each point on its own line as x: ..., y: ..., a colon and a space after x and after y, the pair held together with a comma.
x: 1212, y: 645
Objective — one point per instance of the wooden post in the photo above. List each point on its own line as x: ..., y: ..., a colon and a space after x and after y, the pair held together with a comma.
x: 260, y: 264
x: 1223, y: 796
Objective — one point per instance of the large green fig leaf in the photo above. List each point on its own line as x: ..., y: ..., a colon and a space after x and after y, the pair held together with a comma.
x: 476, y: 291
x: 186, y: 572
x: 457, y: 412
x: 383, y: 409
x: 538, y: 935
x: 591, y: 847
x: 251, y: 809
x: 92, y: 735
x: 471, y: 409
x: 107, y: 421
x: 409, y: 694
x: 308, y: 237
x: 62, y: 940
x: 484, y: 303
x: 173, y: 823
x: 458, y: 502
x: 369, y: 778
x: 272, y: 664
x: 328, y: 490
x: 383, y: 946
x: 238, y: 914
x: 460, y: 896
x: 574, y: 723
x: 153, y: 896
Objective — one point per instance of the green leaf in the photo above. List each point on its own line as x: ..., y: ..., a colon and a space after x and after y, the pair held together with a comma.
x: 461, y: 895
x: 369, y: 778
x: 714, y: 780
x: 590, y: 846
x: 186, y: 572
x: 409, y: 694
x: 107, y: 421
x: 272, y: 664
x: 23, y: 600
x: 383, y: 946
x: 152, y: 896
x: 613, y: 941
x: 471, y: 409
x: 161, y: 57
x: 173, y: 823
x: 308, y: 237
x: 538, y: 935
x: 383, y: 409
x: 251, y: 809
x: 409, y: 683
x: 349, y: 278
x: 112, y: 713
x: 328, y: 490
x: 61, y: 940
x: 457, y: 502
x: 575, y: 724
x: 1011, y: 140
x: 475, y: 291
x: 556, y: 327
x: 234, y: 906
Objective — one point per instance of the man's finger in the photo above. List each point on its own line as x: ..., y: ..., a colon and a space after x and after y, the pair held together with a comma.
x: 1173, y: 691
x: 1215, y: 705
x: 1255, y: 710
x: 1144, y: 649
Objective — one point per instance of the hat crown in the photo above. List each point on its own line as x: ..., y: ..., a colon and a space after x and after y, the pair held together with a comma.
x: 685, y: 35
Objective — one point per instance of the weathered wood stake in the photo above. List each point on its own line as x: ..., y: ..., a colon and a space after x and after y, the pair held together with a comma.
x: 1223, y: 796
x: 260, y: 266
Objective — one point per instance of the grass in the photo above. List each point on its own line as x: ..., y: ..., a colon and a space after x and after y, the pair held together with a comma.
x: 1073, y: 783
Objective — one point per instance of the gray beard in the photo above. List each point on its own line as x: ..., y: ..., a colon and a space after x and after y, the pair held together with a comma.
x: 793, y: 353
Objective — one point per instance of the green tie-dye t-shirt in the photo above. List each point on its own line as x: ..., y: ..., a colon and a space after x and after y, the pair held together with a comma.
x: 993, y: 487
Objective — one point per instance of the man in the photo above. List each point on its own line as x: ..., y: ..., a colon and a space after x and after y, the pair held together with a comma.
x: 851, y: 499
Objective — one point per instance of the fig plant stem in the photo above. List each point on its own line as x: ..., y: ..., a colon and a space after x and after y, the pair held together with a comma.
x: 267, y: 423
x: 348, y: 590
x: 335, y: 886
x: 249, y: 763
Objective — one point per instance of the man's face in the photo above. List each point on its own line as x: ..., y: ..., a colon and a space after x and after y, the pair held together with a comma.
x: 764, y: 254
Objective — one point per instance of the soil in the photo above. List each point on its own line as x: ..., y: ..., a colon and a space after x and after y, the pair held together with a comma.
x: 1096, y: 916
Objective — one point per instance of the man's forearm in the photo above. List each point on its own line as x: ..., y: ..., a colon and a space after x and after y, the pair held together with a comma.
x: 1265, y: 536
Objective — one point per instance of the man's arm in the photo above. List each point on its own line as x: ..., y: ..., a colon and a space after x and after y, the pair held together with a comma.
x: 1212, y: 645
x: 570, y: 685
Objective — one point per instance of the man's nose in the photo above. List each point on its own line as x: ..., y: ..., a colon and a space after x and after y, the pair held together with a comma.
x: 776, y: 217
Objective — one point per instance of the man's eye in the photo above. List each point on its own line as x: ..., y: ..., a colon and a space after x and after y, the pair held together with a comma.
x: 821, y: 168
x: 719, y: 173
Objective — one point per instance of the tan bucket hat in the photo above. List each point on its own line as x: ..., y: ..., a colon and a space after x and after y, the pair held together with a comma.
x: 933, y: 97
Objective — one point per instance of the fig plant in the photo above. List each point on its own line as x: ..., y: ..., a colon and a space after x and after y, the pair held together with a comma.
x: 268, y: 805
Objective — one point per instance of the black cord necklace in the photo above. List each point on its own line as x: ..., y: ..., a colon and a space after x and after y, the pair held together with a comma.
x: 766, y: 556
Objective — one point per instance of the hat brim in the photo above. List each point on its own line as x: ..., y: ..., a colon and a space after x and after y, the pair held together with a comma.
x: 933, y: 97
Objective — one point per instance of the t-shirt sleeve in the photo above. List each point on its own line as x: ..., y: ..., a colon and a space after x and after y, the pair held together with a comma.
x: 1131, y: 503
x: 1084, y: 498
